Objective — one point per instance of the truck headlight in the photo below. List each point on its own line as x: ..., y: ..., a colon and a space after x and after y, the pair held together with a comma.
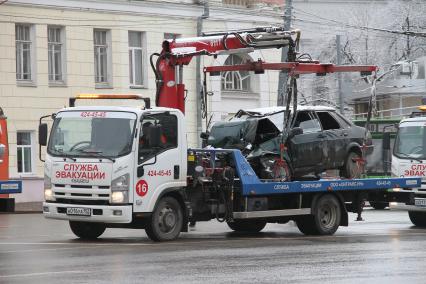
x: 120, y: 197
x: 48, y: 195
x: 120, y: 189
x: 48, y: 192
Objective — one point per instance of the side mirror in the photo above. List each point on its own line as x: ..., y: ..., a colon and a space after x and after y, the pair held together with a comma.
x: 204, y: 135
x: 42, y: 134
x: 2, y: 152
x: 155, y: 136
x: 386, y: 144
x: 295, y: 131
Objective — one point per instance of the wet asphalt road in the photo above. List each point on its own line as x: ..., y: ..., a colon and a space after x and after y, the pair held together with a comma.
x: 383, y: 249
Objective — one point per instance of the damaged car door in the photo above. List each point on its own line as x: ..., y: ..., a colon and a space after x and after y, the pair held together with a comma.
x: 306, y: 150
x: 335, y: 140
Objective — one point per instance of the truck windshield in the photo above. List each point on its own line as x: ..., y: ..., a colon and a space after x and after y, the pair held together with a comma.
x: 411, y: 142
x: 76, y: 134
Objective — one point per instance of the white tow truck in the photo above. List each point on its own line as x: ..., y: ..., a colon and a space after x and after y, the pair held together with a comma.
x: 409, y: 160
x: 130, y: 167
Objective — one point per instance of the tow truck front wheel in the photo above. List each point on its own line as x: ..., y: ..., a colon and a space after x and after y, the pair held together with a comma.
x: 325, y: 218
x: 87, y: 230
x: 166, y: 221
x: 417, y: 218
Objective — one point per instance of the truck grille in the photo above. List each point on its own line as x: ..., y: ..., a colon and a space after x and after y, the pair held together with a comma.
x: 81, y: 194
x: 82, y: 201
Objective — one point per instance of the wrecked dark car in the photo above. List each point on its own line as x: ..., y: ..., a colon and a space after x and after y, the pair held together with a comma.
x: 319, y: 139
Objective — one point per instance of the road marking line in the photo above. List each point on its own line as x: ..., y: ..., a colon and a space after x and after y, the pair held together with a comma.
x: 33, y: 250
x: 207, y: 241
x: 41, y: 273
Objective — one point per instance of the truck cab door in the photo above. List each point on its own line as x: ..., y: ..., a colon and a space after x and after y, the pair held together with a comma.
x: 159, y: 167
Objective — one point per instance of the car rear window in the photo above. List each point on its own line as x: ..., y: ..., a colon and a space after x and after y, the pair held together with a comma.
x: 342, y: 120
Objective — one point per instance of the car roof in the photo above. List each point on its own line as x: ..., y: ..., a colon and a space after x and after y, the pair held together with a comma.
x: 414, y: 119
x: 269, y: 110
x: 276, y: 114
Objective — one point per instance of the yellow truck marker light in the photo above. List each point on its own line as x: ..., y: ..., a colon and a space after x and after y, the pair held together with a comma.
x: 191, y: 158
x: 88, y: 96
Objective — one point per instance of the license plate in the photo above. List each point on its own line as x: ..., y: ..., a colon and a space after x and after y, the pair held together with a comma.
x: 420, y: 201
x: 79, y: 211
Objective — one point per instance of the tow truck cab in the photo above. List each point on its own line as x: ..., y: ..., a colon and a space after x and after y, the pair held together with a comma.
x: 409, y: 160
x: 100, y: 165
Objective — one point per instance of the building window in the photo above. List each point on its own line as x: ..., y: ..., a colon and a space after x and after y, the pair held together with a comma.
x: 102, y: 56
x: 171, y: 36
x: 24, y: 152
x: 240, y: 3
x: 55, y: 40
x: 24, y: 47
x: 136, y: 58
x: 235, y: 80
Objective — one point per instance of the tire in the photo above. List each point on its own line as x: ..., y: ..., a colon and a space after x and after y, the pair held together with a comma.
x: 352, y: 167
x: 278, y: 170
x: 417, y: 218
x: 87, y: 230
x: 378, y: 205
x: 247, y: 226
x: 325, y: 218
x: 306, y: 225
x: 165, y: 223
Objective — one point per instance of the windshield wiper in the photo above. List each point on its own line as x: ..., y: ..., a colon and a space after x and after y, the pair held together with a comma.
x: 410, y: 157
x: 98, y: 154
x: 69, y: 157
x: 65, y: 156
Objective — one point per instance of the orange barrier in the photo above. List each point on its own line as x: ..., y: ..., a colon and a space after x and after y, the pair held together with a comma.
x: 4, y: 166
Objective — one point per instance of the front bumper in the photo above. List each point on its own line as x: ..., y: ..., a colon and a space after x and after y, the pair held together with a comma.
x: 100, y: 213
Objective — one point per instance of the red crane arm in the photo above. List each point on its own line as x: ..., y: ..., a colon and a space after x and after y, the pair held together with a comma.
x: 179, y: 52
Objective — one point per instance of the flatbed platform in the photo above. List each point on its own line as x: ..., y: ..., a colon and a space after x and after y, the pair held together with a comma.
x: 253, y: 186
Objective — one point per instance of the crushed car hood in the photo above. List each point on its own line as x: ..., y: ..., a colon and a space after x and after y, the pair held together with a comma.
x: 239, y: 133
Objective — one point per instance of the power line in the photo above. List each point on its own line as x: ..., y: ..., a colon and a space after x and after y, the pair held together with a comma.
x: 410, y: 33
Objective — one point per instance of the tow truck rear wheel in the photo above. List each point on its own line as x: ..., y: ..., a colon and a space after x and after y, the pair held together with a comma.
x: 87, y: 230
x: 325, y: 218
x: 247, y: 226
x: 166, y: 221
x: 417, y: 218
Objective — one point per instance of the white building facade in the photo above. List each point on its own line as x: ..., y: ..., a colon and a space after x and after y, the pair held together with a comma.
x: 53, y: 50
